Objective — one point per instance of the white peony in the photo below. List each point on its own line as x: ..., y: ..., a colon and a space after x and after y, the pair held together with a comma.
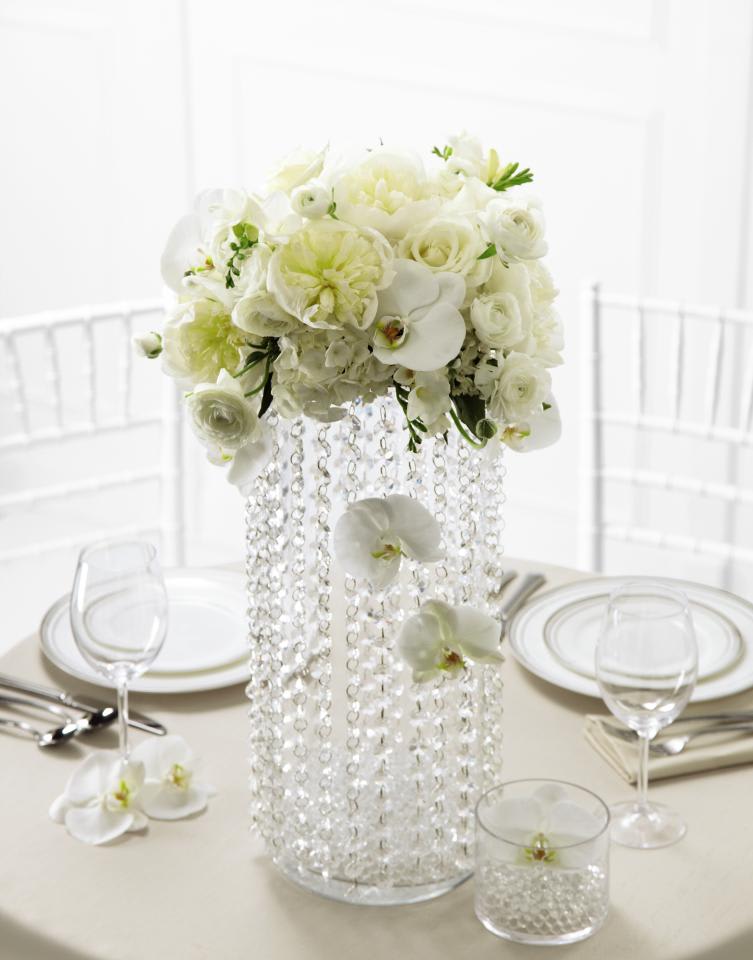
x: 199, y: 340
x: 329, y: 272
x: 520, y: 388
x: 418, y: 323
x: 448, y: 245
x: 387, y: 191
x: 516, y: 228
x: 372, y: 536
x: 498, y: 321
x: 439, y: 638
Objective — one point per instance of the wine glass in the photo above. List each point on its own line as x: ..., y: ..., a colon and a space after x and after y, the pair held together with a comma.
x: 119, y: 614
x: 646, y: 668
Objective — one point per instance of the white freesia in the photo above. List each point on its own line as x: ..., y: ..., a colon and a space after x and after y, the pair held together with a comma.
x: 373, y: 535
x: 545, y: 828
x: 172, y: 785
x: 467, y: 155
x: 312, y: 200
x: 439, y: 638
x: 257, y: 311
x: 199, y: 339
x: 227, y: 422
x: 448, y: 245
x: 520, y: 388
x: 329, y: 272
x: 388, y: 192
x: 298, y: 168
x: 148, y: 345
x: 101, y: 799
x: 418, y: 323
x: 429, y: 399
x: 540, y: 429
x: 516, y: 228
x: 498, y: 321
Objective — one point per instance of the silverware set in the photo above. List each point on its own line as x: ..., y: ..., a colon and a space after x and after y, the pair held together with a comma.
x: 74, y: 716
x: 673, y: 744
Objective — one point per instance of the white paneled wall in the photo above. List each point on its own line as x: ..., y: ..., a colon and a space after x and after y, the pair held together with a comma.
x: 635, y: 116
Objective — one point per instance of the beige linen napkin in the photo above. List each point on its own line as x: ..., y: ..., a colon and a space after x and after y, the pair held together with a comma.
x: 709, y: 752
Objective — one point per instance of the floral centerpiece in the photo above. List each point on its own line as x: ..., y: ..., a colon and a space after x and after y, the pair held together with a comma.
x: 358, y: 344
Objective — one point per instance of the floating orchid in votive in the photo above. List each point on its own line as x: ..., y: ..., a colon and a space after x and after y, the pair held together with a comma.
x: 373, y: 535
x: 172, y: 789
x: 439, y: 637
x: 100, y: 801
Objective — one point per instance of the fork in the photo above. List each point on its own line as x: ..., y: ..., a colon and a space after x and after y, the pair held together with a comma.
x: 674, y: 745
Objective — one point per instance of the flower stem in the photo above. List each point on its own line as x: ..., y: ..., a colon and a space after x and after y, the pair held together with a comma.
x: 478, y: 444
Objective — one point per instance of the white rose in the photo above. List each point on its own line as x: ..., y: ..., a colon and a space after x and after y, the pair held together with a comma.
x: 520, y: 389
x: 297, y: 169
x: 198, y: 341
x: 448, y: 246
x: 312, y: 200
x: 387, y: 191
x: 498, y: 321
x: 516, y: 228
x: 329, y: 272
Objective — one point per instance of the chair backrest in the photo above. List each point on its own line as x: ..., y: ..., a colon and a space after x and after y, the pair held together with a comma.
x: 90, y: 439
x: 668, y: 449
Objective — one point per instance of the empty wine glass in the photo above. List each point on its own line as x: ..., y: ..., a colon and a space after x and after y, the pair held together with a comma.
x: 119, y: 614
x: 646, y: 667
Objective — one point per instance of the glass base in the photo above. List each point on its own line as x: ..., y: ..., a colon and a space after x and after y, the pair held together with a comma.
x: 645, y: 826
x: 541, y: 940
x: 363, y: 894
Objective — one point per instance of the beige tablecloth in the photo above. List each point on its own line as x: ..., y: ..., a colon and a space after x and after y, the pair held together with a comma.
x: 203, y: 889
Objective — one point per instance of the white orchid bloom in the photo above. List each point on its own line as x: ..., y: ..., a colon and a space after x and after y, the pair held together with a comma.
x: 418, y: 321
x: 372, y: 536
x: 544, y: 828
x: 429, y: 399
x: 101, y: 799
x: 172, y: 788
x: 539, y: 430
x: 439, y: 638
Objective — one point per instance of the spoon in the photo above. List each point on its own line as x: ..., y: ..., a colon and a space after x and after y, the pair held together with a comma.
x: 50, y: 738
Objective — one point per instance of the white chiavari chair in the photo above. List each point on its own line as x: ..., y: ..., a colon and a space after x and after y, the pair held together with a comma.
x: 667, y: 473
x: 90, y: 444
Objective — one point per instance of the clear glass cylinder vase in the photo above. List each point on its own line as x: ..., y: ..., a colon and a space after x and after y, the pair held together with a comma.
x: 364, y: 783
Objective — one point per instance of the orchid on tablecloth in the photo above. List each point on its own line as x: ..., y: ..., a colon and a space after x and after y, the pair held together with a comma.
x: 349, y: 278
x: 106, y: 797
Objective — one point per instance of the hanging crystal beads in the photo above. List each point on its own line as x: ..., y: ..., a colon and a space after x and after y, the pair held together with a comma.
x: 363, y: 783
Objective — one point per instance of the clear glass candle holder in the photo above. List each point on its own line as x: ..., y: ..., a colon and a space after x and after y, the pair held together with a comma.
x: 542, y: 861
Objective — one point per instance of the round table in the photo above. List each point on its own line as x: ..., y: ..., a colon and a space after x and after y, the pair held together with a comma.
x: 203, y: 888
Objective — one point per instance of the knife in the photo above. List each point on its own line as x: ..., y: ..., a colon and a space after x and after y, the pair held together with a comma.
x: 137, y: 720
x: 528, y: 585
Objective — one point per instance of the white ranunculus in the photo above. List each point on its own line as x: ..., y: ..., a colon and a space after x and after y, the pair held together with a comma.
x: 548, y: 341
x: 199, y: 339
x: 148, y: 345
x: 540, y: 429
x: 418, y: 323
x: 448, y: 245
x: 439, y: 638
x: 386, y: 191
x: 513, y: 278
x: 515, y: 227
x: 328, y: 274
x: 312, y: 200
x: 298, y: 168
x: 429, y: 399
x: 498, y: 321
x: 101, y: 799
x: 543, y: 290
x: 373, y: 535
x: 521, y: 387
x: 223, y: 418
x: 172, y: 789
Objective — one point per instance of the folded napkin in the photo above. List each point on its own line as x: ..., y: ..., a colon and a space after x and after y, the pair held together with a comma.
x: 709, y: 752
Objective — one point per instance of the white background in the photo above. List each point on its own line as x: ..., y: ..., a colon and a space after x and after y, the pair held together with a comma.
x: 635, y: 115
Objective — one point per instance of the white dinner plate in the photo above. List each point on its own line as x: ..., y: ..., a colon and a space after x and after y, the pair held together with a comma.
x: 207, y: 637
x: 554, y: 635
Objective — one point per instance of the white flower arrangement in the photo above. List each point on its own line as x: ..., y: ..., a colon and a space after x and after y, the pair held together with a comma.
x: 351, y: 279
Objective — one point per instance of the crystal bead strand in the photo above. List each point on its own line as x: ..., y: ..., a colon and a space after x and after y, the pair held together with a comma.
x: 491, y: 700
x: 322, y: 672
x: 353, y: 632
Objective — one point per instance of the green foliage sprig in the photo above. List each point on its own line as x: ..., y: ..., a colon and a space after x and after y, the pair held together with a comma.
x: 246, y: 236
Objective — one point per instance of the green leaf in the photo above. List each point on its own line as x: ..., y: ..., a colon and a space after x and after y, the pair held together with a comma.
x: 546, y: 406
x: 331, y: 210
x: 266, y: 397
x: 470, y: 409
x: 444, y: 154
x: 489, y: 252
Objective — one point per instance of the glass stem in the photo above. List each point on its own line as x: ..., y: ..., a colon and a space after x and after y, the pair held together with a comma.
x: 123, y: 718
x: 643, y: 743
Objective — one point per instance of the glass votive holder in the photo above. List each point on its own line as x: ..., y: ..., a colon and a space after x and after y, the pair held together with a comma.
x: 542, y: 861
